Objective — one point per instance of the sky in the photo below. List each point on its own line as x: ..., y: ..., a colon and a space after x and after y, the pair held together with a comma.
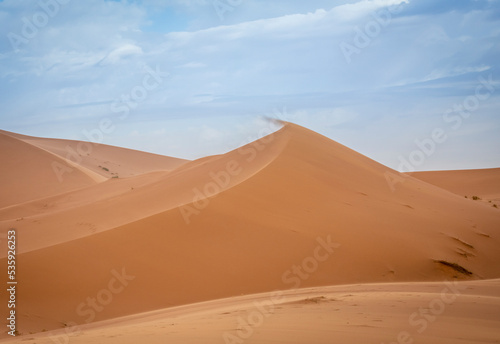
x: 412, y: 84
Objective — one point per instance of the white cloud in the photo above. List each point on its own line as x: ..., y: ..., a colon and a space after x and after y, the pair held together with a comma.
x: 456, y: 71
x: 357, y: 10
x: 122, y: 52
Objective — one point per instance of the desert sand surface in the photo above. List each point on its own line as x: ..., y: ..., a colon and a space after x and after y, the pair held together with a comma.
x: 484, y: 183
x: 428, y: 312
x: 291, y: 210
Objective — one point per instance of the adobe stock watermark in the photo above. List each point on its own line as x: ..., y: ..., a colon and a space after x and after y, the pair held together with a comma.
x: 123, y: 105
x: 117, y: 284
x: 421, y: 319
x: 220, y: 180
x: 453, y: 116
x: 363, y: 37
x: 223, y: 6
x: 294, y: 276
x: 31, y: 26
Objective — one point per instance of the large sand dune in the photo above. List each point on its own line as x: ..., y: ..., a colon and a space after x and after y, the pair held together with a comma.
x: 292, y: 210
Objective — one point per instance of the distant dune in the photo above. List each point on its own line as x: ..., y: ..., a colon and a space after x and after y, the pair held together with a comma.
x: 482, y: 183
x: 34, y: 168
x: 126, y: 233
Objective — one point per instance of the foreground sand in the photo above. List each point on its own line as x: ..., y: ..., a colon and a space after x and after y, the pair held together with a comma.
x: 291, y: 210
x: 439, y: 312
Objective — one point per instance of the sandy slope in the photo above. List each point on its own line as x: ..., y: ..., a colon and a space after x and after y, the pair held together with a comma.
x: 41, y: 176
x: 26, y: 173
x: 437, y: 312
x: 484, y: 183
x: 34, y: 168
x: 103, y: 160
x: 294, y: 209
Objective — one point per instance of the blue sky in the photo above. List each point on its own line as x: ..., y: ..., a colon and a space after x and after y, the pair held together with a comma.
x: 190, y: 78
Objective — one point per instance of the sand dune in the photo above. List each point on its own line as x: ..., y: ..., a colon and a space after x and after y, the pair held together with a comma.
x: 484, y: 183
x: 291, y: 210
x: 120, y: 201
x: 34, y: 168
x: 106, y: 161
x: 27, y: 173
